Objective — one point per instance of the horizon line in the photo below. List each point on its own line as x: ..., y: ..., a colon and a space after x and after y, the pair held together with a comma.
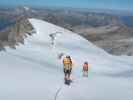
x: 68, y: 7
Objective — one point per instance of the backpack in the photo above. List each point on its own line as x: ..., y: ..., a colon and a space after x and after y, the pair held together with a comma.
x: 85, y: 67
x: 67, y: 61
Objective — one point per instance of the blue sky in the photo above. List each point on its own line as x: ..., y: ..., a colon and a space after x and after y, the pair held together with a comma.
x: 103, y: 4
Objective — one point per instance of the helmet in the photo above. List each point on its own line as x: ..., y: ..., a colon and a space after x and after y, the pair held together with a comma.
x: 68, y: 57
x: 85, y: 62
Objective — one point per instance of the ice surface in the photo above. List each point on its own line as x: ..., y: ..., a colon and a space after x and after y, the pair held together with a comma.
x: 34, y: 72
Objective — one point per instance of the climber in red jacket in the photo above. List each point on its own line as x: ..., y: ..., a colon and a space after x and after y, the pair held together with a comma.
x: 85, y: 69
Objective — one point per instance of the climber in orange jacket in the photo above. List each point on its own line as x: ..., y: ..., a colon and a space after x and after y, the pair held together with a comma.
x: 67, y: 62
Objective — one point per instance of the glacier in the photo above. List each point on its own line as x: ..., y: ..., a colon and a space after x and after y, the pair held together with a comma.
x: 33, y: 71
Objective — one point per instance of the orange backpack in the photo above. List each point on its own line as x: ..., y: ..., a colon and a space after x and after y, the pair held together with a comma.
x: 67, y: 61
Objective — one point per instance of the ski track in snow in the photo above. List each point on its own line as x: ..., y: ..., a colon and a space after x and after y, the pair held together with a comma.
x: 33, y: 72
x: 57, y: 93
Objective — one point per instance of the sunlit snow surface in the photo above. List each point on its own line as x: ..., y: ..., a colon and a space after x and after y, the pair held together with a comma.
x: 34, y: 72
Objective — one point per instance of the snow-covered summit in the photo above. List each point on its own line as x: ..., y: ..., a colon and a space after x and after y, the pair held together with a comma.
x: 34, y: 72
x: 76, y: 46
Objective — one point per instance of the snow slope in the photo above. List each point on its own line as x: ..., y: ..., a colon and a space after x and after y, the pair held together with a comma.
x: 34, y: 72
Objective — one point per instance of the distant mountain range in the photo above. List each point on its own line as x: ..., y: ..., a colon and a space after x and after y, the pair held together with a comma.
x: 108, y: 29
